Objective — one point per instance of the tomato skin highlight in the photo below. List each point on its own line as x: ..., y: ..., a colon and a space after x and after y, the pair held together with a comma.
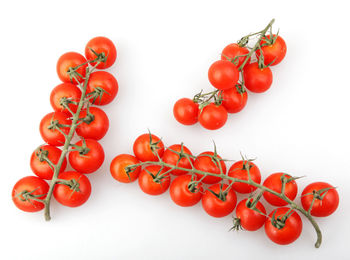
x: 255, y: 79
x: 68, y: 197
x: 42, y: 168
x: 223, y: 74
x: 147, y: 183
x: 233, y: 50
x: 89, y: 162
x: 71, y: 60
x: 216, y: 207
x: 320, y: 208
x: 30, y: 183
x: 105, y: 81
x: 170, y: 157
x: 180, y: 193
x: 238, y: 171
x: 234, y: 101
x: 289, y: 233
x: 101, y: 44
x: 274, y: 183
x: 273, y: 54
x: 53, y: 136
x: 213, y: 116
x: 142, y: 148
x: 250, y: 219
x: 186, y: 111
x: 97, y: 128
x: 65, y: 90
x: 204, y: 163
x: 117, y: 168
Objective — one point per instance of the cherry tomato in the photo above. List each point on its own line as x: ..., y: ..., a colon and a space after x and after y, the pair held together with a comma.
x: 257, y: 80
x: 234, y: 99
x: 186, y: 111
x: 274, y: 182
x: 69, y: 61
x: 75, y: 195
x: 239, y: 170
x: 250, y: 219
x: 213, y: 116
x: 289, y: 232
x: 150, y: 185
x: 30, y: 185
x: 95, y: 125
x: 326, y: 201
x: 89, y: 159
x: 53, y: 136
x: 181, y: 194
x: 62, y: 92
x: 40, y: 167
x: 223, y: 74
x: 146, y: 147
x: 101, y: 45
x: 205, y: 163
x: 104, y: 85
x: 273, y: 53
x: 170, y: 157
x: 216, y: 207
x: 231, y: 51
x: 118, y: 165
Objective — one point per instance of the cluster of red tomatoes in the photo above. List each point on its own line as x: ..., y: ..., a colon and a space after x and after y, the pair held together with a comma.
x: 81, y: 87
x: 211, y: 109
x: 205, y: 178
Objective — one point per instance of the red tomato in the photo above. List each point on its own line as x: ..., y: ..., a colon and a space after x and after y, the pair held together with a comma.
x: 181, y: 194
x: 118, y: 165
x: 146, y: 147
x: 289, y: 232
x: 234, y: 99
x: 239, y: 170
x: 25, y: 187
x: 274, y: 53
x: 255, y: 79
x: 101, y: 45
x: 274, y: 182
x: 186, y: 111
x: 53, y: 136
x: 151, y: 186
x: 62, y: 92
x: 213, y: 116
x: 216, y: 207
x: 326, y: 201
x: 69, y: 61
x: 250, y: 219
x: 74, y: 195
x: 89, y: 159
x: 104, y: 85
x: 223, y: 74
x: 205, y: 163
x: 231, y: 51
x: 40, y: 167
x: 170, y: 157
x: 95, y: 125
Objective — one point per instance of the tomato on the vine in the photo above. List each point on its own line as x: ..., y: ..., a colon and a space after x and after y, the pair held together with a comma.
x: 286, y: 231
x: 28, y: 188
x: 65, y: 91
x: 233, y: 50
x: 40, y: 167
x: 186, y: 111
x: 101, y: 45
x: 273, y: 52
x: 326, y: 199
x: 76, y: 193
x: 257, y: 79
x: 250, y: 219
x: 274, y: 182
x: 234, y: 99
x: 88, y: 158
x: 147, y: 146
x: 172, y: 158
x: 66, y: 63
x: 51, y: 135
x: 103, y: 87
x: 239, y: 170
x: 223, y: 74
x: 205, y: 162
x: 94, y: 124
x: 184, y: 194
x: 118, y: 168
x: 213, y: 116
x: 151, y: 185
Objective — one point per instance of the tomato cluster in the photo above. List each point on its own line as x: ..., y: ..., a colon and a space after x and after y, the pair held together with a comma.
x: 191, y: 179
x: 73, y: 114
x: 238, y: 69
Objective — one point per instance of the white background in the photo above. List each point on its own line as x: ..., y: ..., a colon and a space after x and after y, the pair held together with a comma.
x: 300, y: 126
